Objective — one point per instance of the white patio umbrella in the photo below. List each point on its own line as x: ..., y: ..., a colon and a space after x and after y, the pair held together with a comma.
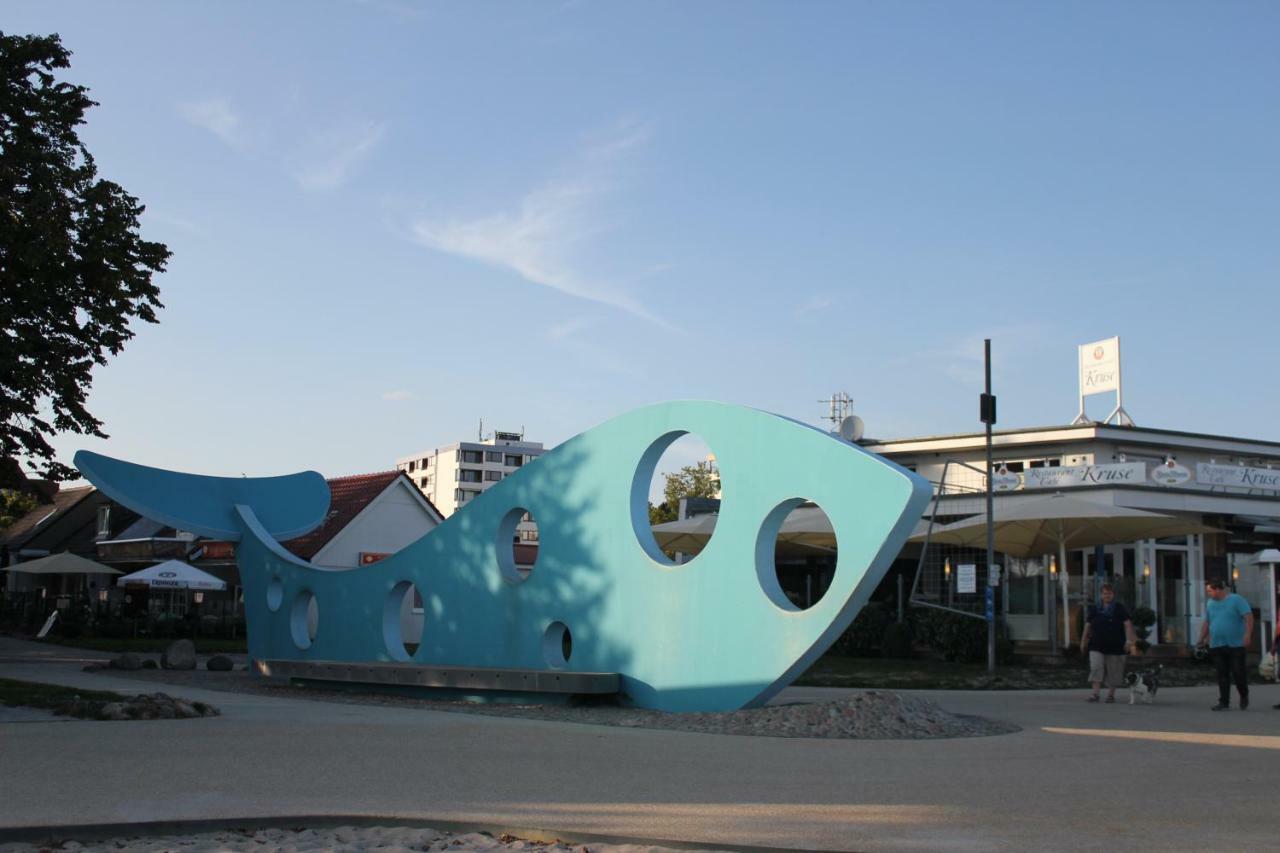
x: 806, y: 527
x: 689, y: 535
x: 1051, y: 524
x: 173, y: 574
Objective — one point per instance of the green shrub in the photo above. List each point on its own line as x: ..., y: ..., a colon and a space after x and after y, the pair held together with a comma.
x: 897, y: 641
x: 958, y: 637
x: 863, y: 636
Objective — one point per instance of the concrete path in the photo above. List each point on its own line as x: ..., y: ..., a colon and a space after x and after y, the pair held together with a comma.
x: 1172, y: 776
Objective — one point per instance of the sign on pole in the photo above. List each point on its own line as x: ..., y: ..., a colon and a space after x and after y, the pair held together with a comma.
x: 1100, y: 374
x: 966, y: 578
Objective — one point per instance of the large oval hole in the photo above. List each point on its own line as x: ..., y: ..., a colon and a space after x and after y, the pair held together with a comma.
x: 796, y: 554
x: 517, y: 545
x: 402, y: 620
x: 675, y: 497
x: 304, y: 619
x: 557, y: 645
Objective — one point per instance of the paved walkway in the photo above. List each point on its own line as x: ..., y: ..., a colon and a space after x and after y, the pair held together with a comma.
x: 1172, y: 776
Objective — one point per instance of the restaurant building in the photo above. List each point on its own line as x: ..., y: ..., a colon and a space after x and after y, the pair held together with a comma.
x: 1231, y: 485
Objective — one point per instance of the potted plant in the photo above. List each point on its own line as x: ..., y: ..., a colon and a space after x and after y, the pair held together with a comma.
x: 1143, y: 618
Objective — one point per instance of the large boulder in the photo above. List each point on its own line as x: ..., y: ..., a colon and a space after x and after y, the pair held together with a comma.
x: 220, y: 663
x: 181, y: 654
x: 127, y: 660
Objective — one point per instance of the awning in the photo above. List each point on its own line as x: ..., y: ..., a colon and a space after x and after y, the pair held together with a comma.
x: 65, y: 563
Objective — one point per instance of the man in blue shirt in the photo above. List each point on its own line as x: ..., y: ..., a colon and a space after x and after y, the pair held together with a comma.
x: 1227, y: 626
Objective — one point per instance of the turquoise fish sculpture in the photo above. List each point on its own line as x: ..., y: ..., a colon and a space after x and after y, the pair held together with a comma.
x: 715, y: 633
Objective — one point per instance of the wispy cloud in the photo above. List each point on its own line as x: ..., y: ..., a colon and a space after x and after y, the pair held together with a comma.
x: 397, y: 395
x: 569, y: 328
x: 815, y: 304
x: 328, y: 159
x: 539, y: 238
x: 217, y: 116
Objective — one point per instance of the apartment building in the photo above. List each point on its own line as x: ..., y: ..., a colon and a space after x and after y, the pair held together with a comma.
x: 453, y: 475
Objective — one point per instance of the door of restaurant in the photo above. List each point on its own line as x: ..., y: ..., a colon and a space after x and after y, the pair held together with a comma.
x: 1171, y: 605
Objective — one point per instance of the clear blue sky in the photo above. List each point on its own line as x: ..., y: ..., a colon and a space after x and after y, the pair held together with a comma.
x: 390, y: 219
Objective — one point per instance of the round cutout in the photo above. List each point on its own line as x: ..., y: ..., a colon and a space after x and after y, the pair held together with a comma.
x: 796, y: 554
x: 402, y: 619
x: 517, y: 544
x: 675, y: 498
x: 557, y: 645
x: 304, y: 619
x: 275, y: 594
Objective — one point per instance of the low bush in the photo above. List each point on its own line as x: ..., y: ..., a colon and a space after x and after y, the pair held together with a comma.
x: 898, y: 641
x: 958, y: 637
x: 863, y: 636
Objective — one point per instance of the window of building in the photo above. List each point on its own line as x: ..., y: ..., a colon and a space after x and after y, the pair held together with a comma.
x: 493, y: 456
x: 425, y: 462
x: 493, y: 476
x: 473, y: 457
x: 424, y: 482
x: 1042, y: 463
x: 466, y: 475
x: 513, y: 460
x: 104, y: 522
x: 411, y: 465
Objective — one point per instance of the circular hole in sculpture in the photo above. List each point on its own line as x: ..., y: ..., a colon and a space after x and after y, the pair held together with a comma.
x: 304, y: 619
x: 557, y: 645
x: 402, y: 620
x: 275, y: 594
x: 675, y: 498
x: 796, y: 554
x: 517, y: 544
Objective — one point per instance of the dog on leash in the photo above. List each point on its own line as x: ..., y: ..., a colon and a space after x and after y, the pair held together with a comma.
x: 1144, y: 683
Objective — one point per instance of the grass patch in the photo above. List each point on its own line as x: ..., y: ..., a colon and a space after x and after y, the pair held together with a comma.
x: 150, y: 645
x: 54, y: 697
x: 834, y: 671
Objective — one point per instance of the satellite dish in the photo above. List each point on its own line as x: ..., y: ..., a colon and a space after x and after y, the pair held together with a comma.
x: 851, y: 428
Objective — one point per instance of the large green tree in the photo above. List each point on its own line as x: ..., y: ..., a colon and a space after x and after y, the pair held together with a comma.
x: 691, y: 481
x: 74, y: 270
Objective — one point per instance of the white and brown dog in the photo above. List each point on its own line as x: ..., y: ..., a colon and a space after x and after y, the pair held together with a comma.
x: 1144, y: 683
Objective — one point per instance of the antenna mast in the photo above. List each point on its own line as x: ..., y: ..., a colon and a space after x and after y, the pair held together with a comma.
x: 839, y: 405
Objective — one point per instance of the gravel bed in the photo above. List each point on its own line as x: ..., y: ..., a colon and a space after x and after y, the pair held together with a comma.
x: 870, y: 715
x: 342, y: 839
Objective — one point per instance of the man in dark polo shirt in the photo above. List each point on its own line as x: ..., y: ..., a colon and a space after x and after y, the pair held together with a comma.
x: 1108, y: 635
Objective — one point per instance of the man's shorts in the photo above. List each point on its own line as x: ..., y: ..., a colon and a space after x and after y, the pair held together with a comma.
x: 1106, y: 669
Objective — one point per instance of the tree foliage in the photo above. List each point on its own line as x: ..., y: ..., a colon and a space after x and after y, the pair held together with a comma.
x: 14, y: 505
x: 73, y: 268
x: 691, y: 481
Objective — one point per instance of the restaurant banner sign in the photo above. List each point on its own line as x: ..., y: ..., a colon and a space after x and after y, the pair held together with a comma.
x: 1118, y: 474
x: 1237, y: 476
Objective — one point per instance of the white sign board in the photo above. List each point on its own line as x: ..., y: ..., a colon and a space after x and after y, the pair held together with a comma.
x: 1005, y: 481
x: 48, y: 623
x: 1100, y: 367
x: 1118, y: 474
x: 1170, y: 473
x: 1239, y: 476
x: 966, y: 578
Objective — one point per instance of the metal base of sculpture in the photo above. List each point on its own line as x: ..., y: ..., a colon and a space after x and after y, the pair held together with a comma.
x: 715, y: 633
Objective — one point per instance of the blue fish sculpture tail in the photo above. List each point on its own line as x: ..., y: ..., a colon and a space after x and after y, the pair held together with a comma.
x: 714, y: 633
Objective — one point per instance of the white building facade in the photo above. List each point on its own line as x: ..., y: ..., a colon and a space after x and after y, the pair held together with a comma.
x: 453, y: 475
x: 1229, y: 484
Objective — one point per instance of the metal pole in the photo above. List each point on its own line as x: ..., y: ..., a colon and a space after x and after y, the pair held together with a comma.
x: 900, y: 603
x: 991, y: 536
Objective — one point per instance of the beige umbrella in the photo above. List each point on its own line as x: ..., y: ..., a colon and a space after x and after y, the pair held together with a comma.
x: 1051, y: 524
x: 688, y: 535
x: 65, y: 563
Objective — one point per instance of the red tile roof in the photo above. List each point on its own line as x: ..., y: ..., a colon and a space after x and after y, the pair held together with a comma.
x: 347, y: 497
